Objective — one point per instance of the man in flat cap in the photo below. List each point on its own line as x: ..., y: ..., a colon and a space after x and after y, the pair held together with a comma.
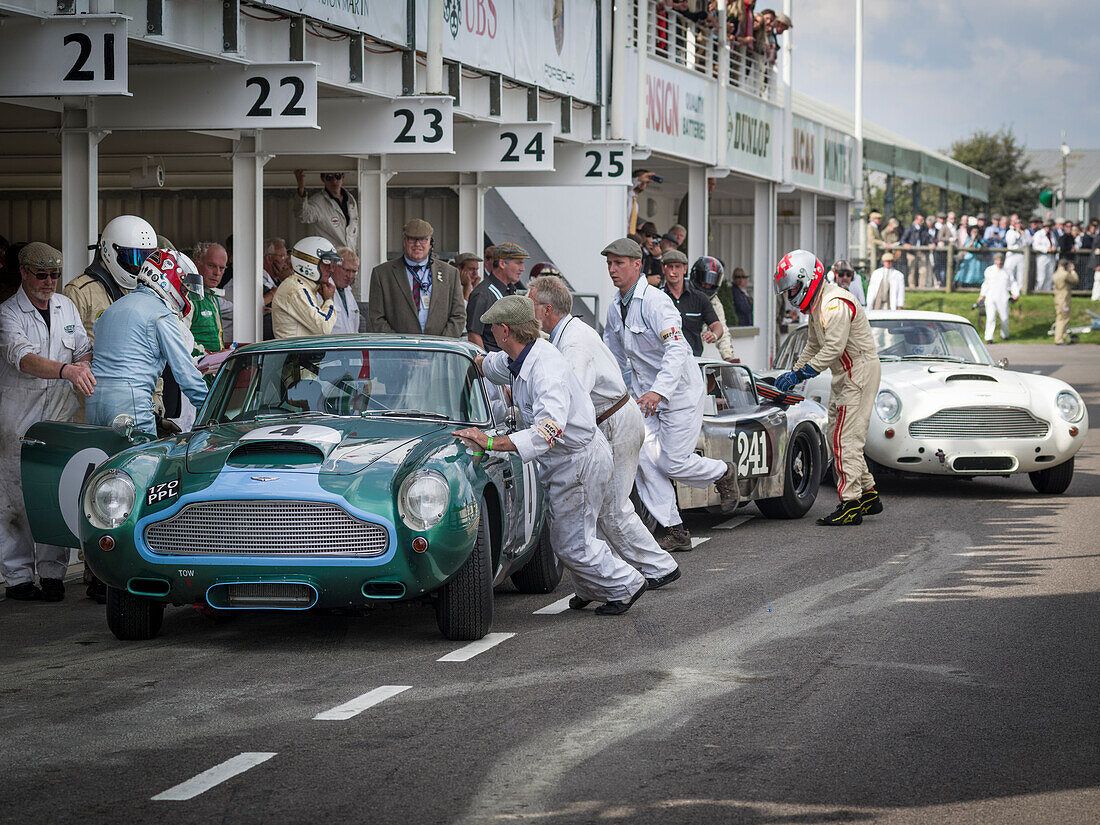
x: 44, y: 369
x: 469, y: 273
x: 574, y: 458
x: 874, y: 235
x: 416, y: 294
x: 502, y: 281
x: 644, y: 332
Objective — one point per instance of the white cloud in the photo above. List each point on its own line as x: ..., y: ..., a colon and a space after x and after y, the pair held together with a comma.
x: 936, y: 71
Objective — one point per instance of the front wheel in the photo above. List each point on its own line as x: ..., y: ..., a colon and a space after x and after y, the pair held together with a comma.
x: 464, y: 607
x: 802, y: 477
x: 1053, y: 480
x: 133, y: 617
x: 542, y: 572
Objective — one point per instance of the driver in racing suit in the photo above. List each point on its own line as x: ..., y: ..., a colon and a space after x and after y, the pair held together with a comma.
x: 839, y: 339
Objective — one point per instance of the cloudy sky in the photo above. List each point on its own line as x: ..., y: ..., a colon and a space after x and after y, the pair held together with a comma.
x: 936, y: 71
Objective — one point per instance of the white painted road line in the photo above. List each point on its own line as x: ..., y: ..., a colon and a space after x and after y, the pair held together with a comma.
x: 361, y: 703
x: 215, y: 776
x: 491, y: 640
x: 560, y: 606
x: 697, y: 540
x: 736, y: 521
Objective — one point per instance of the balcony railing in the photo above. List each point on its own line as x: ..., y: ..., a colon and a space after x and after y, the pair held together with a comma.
x: 674, y: 38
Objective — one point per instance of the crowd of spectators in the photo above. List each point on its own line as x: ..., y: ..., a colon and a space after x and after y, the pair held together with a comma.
x: 921, y: 250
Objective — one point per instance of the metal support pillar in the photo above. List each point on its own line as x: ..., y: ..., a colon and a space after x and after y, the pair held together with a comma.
x: 297, y: 38
x: 765, y: 212
x: 943, y: 200
x: 840, y: 229
x: 698, y: 217
x: 618, y: 71
x: 373, y: 221
x: 231, y: 25
x: 888, y: 199
x: 248, y: 229
x: 640, y: 136
x: 408, y: 57
x: 355, y: 58
x: 79, y: 191
x: 916, y: 198
x: 807, y: 233
x: 434, y: 70
x: 471, y: 215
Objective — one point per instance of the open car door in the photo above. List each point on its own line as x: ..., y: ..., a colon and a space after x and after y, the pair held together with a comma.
x: 57, y: 458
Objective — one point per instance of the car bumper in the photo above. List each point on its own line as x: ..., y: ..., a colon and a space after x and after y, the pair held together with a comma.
x: 971, y: 456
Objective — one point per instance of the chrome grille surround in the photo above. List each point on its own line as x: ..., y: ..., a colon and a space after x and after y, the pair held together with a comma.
x: 268, y: 527
x: 980, y: 422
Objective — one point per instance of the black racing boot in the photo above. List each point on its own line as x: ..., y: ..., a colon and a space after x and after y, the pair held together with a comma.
x: 847, y: 513
x: 577, y: 603
x: 661, y: 581
x: 727, y: 488
x: 25, y: 592
x: 53, y: 590
x: 869, y: 503
x: 675, y: 538
x: 620, y: 607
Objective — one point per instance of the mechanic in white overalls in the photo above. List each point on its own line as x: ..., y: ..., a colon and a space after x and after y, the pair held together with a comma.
x: 999, y: 287
x: 618, y: 419
x: 574, y: 458
x: 44, y: 355
x: 643, y: 332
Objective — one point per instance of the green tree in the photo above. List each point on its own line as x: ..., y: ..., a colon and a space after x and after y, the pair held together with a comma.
x: 1013, y: 185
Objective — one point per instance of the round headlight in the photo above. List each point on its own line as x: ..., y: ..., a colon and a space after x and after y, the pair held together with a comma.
x: 423, y: 499
x: 888, y: 406
x: 109, y: 499
x: 1069, y: 405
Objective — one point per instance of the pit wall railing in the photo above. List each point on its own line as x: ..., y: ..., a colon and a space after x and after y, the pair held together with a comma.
x: 953, y: 268
x: 682, y: 42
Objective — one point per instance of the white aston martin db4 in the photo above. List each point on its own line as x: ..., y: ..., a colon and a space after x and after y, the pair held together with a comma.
x: 944, y: 407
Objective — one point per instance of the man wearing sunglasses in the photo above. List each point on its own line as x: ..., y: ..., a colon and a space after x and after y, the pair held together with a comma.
x: 331, y: 213
x: 44, y: 356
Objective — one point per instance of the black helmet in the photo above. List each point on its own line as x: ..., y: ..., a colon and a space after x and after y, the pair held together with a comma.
x: 707, y: 275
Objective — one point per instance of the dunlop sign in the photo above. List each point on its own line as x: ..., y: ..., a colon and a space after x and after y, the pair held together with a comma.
x: 753, y: 137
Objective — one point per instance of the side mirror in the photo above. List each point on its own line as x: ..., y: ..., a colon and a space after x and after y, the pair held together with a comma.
x: 1003, y: 363
x: 123, y: 425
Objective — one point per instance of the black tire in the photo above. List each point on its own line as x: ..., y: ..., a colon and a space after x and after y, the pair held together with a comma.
x: 1053, y: 480
x: 802, y: 476
x: 464, y: 607
x: 542, y: 572
x: 133, y: 618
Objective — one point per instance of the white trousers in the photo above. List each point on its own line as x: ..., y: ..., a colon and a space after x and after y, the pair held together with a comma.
x: 618, y: 522
x: 1014, y: 266
x: 577, y: 485
x: 995, y: 309
x: 668, y: 455
x: 1044, y: 271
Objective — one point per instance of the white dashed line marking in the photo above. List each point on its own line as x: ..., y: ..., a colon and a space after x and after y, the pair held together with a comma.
x: 697, y: 540
x: 361, y: 703
x: 215, y: 776
x: 736, y: 521
x: 471, y: 650
x: 560, y: 606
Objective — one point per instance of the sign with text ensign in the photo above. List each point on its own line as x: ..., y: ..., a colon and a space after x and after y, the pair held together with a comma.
x: 679, y: 112
x: 753, y: 136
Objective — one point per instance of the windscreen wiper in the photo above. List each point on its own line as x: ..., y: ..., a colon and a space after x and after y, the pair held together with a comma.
x: 404, y: 414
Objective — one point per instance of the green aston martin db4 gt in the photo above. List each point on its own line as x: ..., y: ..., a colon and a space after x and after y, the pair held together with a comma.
x: 321, y: 473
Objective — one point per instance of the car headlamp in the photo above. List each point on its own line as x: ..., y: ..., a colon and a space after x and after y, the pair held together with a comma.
x: 109, y: 499
x: 1069, y: 406
x: 423, y: 499
x: 888, y: 406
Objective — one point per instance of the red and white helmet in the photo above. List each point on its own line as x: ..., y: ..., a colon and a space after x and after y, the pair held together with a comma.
x: 172, y: 275
x: 123, y: 247
x: 799, y: 274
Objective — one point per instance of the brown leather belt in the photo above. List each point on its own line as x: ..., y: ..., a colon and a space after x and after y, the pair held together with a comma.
x: 610, y: 411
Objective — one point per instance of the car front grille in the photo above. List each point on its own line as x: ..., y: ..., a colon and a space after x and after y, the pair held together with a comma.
x: 266, y: 528
x: 980, y: 422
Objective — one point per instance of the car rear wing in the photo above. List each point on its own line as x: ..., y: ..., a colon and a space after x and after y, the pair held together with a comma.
x: 767, y: 392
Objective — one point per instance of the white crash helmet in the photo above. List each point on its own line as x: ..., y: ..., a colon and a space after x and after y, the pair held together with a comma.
x: 800, y: 275
x: 125, y: 243
x: 172, y: 275
x: 311, y: 251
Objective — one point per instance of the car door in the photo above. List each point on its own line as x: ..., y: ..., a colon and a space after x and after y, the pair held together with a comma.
x: 57, y: 457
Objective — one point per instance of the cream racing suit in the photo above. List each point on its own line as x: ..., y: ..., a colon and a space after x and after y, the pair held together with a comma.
x: 599, y: 375
x: 297, y: 309
x: 574, y: 462
x: 840, y: 339
x: 1064, y: 282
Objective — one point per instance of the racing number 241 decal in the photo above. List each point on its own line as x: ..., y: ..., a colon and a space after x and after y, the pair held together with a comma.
x: 752, y: 453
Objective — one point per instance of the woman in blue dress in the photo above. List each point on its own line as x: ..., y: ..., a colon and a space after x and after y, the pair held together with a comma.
x: 970, y: 269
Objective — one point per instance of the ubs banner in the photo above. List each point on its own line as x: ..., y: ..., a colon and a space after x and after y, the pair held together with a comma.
x: 753, y: 136
x: 679, y: 112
